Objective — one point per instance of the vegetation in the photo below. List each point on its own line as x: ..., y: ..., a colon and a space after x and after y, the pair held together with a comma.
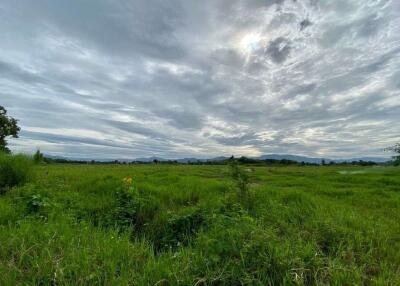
x: 241, y: 160
x: 38, y: 157
x: 202, y: 225
x: 8, y: 127
x: 395, y: 149
x: 14, y: 170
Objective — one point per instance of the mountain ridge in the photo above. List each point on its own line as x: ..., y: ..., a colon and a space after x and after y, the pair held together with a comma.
x: 186, y: 160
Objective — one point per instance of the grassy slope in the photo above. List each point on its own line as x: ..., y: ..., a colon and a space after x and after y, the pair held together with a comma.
x: 298, y: 225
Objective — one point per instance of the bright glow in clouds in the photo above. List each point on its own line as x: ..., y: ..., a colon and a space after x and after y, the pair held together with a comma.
x: 250, y: 42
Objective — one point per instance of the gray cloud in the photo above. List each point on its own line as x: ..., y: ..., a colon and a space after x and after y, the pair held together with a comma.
x: 135, y: 128
x: 304, y: 24
x: 15, y: 73
x: 188, y: 78
x: 245, y: 139
x: 279, y: 49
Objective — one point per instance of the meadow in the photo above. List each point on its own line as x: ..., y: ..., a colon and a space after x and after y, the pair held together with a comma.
x: 197, y: 225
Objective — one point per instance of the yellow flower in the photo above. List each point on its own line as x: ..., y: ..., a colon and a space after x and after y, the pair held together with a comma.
x: 127, y: 180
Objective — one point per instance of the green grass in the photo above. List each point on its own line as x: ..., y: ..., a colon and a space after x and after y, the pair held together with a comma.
x: 190, y: 225
x: 14, y: 170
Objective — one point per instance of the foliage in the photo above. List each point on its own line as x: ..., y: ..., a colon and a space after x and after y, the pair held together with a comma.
x: 8, y: 127
x: 14, y: 170
x: 37, y: 205
x: 178, y: 229
x: 395, y: 149
x: 241, y: 178
x: 38, y: 157
x: 185, y: 225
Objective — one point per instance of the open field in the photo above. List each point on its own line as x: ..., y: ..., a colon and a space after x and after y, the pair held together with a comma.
x: 190, y: 225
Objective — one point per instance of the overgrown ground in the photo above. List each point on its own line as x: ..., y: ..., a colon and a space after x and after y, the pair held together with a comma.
x: 190, y: 225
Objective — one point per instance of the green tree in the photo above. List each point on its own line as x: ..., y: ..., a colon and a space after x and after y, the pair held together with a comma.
x: 8, y: 127
x: 38, y: 157
x: 395, y: 149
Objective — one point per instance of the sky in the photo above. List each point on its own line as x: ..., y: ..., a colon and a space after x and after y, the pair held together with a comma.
x: 187, y: 78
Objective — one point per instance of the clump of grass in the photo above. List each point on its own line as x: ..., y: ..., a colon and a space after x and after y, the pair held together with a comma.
x: 112, y: 203
x: 123, y: 215
x: 15, y: 170
x: 38, y: 157
x: 173, y: 230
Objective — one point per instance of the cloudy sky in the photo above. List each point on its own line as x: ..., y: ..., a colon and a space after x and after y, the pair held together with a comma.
x: 179, y: 78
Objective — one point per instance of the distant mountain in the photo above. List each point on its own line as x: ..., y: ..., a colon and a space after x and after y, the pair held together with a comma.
x: 220, y: 158
x: 183, y: 160
x: 293, y: 158
x: 319, y: 160
x: 149, y: 159
x: 297, y: 158
x: 312, y: 160
x: 189, y: 160
x: 366, y: 159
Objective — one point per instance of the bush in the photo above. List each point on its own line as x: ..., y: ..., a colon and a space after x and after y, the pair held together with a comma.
x: 37, y: 203
x: 111, y: 203
x: 38, y: 157
x: 32, y: 201
x: 178, y: 229
x: 240, y: 177
x: 15, y: 170
x: 123, y: 216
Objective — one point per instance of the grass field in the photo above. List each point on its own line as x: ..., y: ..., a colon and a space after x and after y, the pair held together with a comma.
x: 191, y: 225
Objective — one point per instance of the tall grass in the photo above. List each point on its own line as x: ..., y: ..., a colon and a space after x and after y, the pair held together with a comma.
x: 15, y: 170
x: 186, y: 225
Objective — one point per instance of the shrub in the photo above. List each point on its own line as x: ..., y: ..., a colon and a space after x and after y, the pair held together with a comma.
x: 38, y: 157
x: 14, y: 170
x: 124, y: 214
x: 114, y: 204
x: 178, y: 229
x: 240, y: 177
x: 33, y: 201
x: 36, y: 203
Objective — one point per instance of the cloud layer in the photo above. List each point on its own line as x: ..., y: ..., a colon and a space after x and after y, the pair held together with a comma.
x: 126, y: 79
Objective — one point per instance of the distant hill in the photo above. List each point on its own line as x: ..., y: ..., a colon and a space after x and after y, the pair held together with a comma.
x: 297, y: 158
x: 366, y: 159
x: 149, y: 159
x: 319, y: 160
x: 293, y: 158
